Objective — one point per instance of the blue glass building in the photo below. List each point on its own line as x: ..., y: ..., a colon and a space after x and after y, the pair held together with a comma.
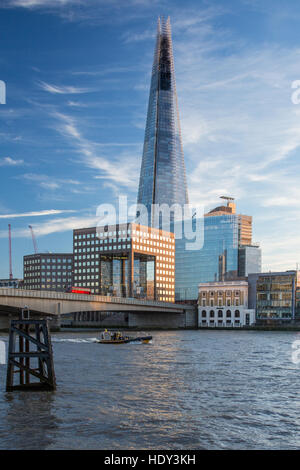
x: 217, y: 260
x: 226, y: 252
x: 162, y: 177
x: 249, y: 260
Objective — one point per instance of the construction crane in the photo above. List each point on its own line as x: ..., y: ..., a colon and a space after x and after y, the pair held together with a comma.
x: 9, y: 245
x: 33, y: 240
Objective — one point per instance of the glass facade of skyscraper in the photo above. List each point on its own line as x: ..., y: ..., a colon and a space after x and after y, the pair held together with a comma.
x: 249, y: 260
x: 162, y: 177
x: 217, y: 260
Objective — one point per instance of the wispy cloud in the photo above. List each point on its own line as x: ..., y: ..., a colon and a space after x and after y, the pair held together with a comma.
x: 88, y: 10
x: 8, y: 161
x: 63, y: 90
x: 57, y: 225
x: 41, y: 3
x: 35, y: 213
x: 47, y: 182
x: 122, y: 170
x: 137, y: 37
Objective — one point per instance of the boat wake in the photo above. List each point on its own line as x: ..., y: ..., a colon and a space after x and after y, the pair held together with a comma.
x: 74, y: 340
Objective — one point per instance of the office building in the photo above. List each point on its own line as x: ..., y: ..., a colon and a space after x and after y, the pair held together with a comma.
x: 275, y: 296
x: 162, y: 176
x: 249, y: 260
x: 224, y: 304
x: 48, y: 271
x: 12, y: 283
x: 223, y: 255
x: 126, y: 260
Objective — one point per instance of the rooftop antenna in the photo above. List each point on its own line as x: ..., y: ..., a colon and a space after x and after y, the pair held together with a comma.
x: 33, y: 240
x: 227, y: 198
x: 9, y: 245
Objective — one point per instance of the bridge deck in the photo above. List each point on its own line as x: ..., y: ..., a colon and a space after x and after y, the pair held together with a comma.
x: 40, y: 300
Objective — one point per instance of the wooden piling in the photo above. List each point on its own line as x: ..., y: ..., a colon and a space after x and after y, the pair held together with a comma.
x: 29, y: 340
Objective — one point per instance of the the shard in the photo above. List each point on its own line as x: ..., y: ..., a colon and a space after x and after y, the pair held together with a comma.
x: 162, y: 177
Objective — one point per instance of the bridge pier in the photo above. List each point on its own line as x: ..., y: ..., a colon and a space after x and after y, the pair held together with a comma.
x: 54, y: 321
x: 156, y: 320
x: 138, y: 320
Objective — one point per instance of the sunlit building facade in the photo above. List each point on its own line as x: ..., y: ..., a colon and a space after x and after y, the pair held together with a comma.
x: 48, y: 271
x: 275, y: 296
x: 162, y: 176
x: 224, y: 304
x: 126, y: 260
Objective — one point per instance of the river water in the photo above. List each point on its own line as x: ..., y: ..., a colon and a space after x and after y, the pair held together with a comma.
x: 186, y: 390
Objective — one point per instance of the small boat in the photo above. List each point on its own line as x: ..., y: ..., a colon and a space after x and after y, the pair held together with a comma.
x: 108, y: 337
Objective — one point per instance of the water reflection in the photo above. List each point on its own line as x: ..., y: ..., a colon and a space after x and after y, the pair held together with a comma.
x: 29, y: 421
x: 187, y: 390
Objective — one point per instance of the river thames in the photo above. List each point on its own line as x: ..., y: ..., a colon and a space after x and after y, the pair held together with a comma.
x: 186, y: 390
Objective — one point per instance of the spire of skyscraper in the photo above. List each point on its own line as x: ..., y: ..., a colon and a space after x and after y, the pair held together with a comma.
x: 162, y: 177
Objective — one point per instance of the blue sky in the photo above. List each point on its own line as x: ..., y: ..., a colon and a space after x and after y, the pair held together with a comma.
x: 78, y: 76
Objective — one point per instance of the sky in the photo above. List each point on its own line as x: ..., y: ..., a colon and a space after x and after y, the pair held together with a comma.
x: 77, y: 75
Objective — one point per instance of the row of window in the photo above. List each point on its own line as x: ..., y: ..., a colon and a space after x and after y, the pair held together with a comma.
x: 153, y: 250
x: 78, y: 259
x: 220, y: 323
x: 121, y: 233
x: 94, y: 235
x: 220, y: 303
x: 221, y: 293
x: 101, y: 248
x: 53, y: 280
x: 102, y: 241
x: 48, y: 273
x: 47, y: 260
x: 220, y: 313
x: 53, y: 269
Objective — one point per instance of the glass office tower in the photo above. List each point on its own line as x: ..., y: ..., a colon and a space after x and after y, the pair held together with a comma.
x: 162, y: 177
x: 217, y: 260
x: 224, y: 255
x: 249, y: 260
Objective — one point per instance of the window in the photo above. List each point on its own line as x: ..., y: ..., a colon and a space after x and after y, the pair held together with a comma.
x: 228, y: 314
x: 220, y: 313
x: 203, y: 313
x: 212, y: 314
x: 237, y: 314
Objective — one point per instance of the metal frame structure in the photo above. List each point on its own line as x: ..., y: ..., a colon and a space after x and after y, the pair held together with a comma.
x: 23, y: 349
